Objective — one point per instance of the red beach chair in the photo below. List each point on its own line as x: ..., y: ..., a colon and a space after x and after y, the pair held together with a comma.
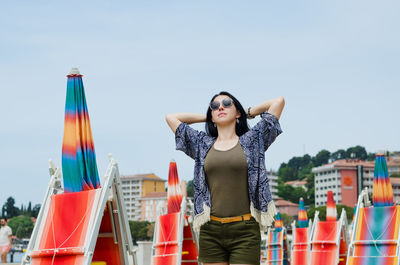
x: 329, y: 239
x: 79, y: 228
x: 174, y: 241
x: 300, y: 248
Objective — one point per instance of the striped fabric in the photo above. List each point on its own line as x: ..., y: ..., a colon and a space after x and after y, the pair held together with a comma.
x: 174, y: 189
x: 302, y: 216
x: 382, y: 192
x: 331, y: 213
x: 167, y: 251
x: 276, y: 248
x: 324, y: 245
x: 377, y: 232
x: 78, y: 156
x: 300, y: 246
x: 373, y: 261
x: 62, y: 237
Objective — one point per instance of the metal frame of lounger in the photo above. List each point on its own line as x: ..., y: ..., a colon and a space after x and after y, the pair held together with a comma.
x: 363, y: 202
x: 342, y: 226
x: 111, y: 194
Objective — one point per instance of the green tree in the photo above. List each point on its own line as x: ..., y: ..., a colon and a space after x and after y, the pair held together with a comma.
x: 290, y: 193
x: 150, y: 230
x: 286, y: 173
x: 286, y: 219
x: 371, y: 156
x: 29, y: 208
x: 3, y: 211
x: 339, y: 154
x: 139, y: 230
x: 322, y: 212
x: 321, y: 158
x: 35, y: 210
x: 358, y: 151
x: 21, y: 226
x: 189, y: 189
x: 9, y: 209
x: 296, y: 168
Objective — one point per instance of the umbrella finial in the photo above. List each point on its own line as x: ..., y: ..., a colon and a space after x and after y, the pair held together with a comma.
x: 381, y: 153
x: 74, y: 71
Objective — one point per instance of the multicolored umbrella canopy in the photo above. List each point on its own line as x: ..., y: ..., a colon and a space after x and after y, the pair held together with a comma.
x: 78, y: 156
x: 278, y: 222
x: 174, y: 189
x: 382, y: 192
x: 331, y: 213
x: 302, y: 217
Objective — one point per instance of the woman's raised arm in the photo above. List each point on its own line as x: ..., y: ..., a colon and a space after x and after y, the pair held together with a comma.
x: 273, y: 106
x: 175, y: 119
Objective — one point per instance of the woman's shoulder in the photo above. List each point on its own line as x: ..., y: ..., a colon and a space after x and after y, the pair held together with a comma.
x: 186, y: 131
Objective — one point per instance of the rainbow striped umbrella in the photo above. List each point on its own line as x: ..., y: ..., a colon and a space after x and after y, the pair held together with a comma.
x: 278, y: 222
x: 382, y: 192
x: 331, y: 213
x: 174, y: 190
x: 78, y: 157
x: 302, y: 217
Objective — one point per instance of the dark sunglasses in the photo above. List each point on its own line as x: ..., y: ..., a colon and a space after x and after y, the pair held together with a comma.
x: 227, y: 102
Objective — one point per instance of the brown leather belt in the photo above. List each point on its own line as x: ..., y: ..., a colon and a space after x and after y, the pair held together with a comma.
x: 225, y: 220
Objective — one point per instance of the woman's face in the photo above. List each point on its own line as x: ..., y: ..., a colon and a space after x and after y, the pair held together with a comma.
x: 224, y: 114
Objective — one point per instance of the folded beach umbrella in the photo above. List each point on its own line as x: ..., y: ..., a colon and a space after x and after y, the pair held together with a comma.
x: 302, y: 217
x: 278, y: 222
x: 382, y: 192
x: 78, y: 157
x: 331, y: 213
x: 174, y: 190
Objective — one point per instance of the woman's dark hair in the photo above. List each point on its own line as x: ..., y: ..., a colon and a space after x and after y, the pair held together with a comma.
x: 241, y: 127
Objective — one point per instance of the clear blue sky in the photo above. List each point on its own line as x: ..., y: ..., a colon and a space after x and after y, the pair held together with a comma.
x: 335, y: 62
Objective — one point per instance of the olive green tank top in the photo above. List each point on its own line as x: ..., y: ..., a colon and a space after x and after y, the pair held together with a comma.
x: 226, y: 175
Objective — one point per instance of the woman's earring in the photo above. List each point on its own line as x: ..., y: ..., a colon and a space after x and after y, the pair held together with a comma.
x: 237, y: 121
x: 215, y: 125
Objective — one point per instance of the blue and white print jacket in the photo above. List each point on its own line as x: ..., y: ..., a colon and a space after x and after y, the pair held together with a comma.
x: 255, y: 142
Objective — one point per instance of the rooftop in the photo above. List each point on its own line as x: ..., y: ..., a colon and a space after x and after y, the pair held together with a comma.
x: 281, y: 203
x: 149, y: 176
x: 391, y: 161
x: 296, y: 182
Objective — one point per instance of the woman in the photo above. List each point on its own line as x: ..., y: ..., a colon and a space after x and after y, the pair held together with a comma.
x: 232, y: 200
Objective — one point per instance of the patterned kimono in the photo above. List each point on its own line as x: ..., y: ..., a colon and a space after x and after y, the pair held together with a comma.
x: 255, y: 142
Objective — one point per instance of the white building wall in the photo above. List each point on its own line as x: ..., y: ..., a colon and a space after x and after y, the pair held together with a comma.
x: 132, y: 191
x: 325, y: 179
x: 273, y: 184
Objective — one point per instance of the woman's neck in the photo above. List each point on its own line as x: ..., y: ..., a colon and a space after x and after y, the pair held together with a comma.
x: 226, y: 133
